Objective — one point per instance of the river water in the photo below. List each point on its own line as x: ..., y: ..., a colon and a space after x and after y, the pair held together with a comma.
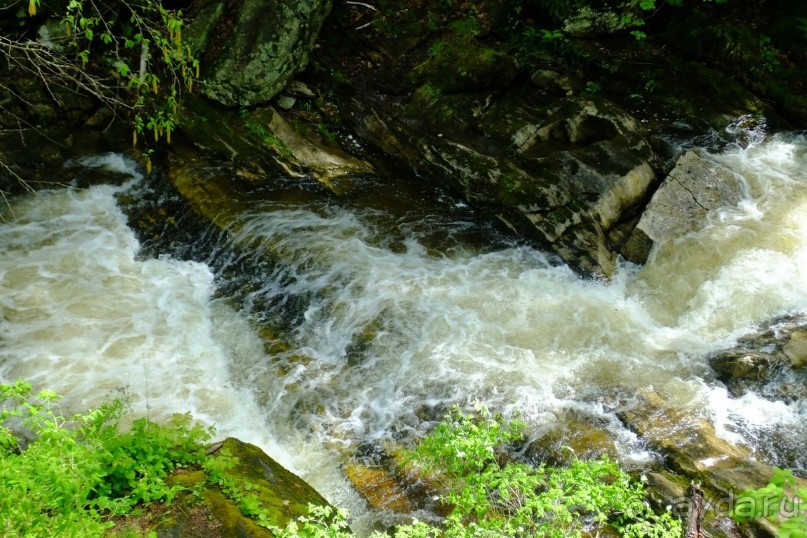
x: 389, y: 313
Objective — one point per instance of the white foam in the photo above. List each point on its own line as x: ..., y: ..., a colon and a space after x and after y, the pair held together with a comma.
x: 381, y: 336
x: 508, y: 326
x: 85, y: 318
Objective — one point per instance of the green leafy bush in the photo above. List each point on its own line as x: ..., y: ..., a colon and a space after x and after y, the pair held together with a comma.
x: 493, y: 496
x: 781, y: 501
x: 76, y: 472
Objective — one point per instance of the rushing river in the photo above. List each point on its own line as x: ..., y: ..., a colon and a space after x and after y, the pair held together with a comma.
x: 389, y: 316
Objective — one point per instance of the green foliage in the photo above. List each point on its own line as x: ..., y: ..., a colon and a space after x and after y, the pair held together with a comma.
x: 535, y: 45
x: 140, y: 43
x: 45, y: 488
x: 150, y: 58
x: 239, y: 492
x: 781, y: 500
x: 77, y: 471
x: 494, y: 497
x: 327, y: 134
x: 138, y: 462
x: 270, y: 139
x: 437, y: 48
x: 321, y: 522
x: 469, y: 26
x: 463, y: 444
x: 592, y: 87
x: 768, y: 56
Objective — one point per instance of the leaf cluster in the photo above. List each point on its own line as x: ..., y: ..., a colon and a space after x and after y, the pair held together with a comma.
x: 781, y: 500
x: 130, y: 55
x: 144, y: 41
x: 75, y: 472
x: 321, y: 522
x: 495, y: 497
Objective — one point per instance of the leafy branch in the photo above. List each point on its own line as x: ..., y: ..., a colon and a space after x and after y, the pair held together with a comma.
x: 145, y: 46
x: 128, y: 55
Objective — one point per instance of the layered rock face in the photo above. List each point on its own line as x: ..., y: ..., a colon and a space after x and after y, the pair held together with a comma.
x: 681, y: 205
x: 564, y: 176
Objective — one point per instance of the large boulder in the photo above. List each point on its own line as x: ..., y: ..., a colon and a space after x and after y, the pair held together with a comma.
x: 250, y: 49
x: 281, y: 495
x: 693, y: 188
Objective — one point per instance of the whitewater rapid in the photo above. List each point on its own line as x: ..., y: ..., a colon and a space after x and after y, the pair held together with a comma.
x: 389, y: 319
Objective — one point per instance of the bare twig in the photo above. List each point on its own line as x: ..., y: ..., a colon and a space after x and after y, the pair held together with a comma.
x: 4, y: 195
x: 54, y: 69
x: 362, y: 4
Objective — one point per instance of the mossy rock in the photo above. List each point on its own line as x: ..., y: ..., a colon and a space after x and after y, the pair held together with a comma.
x: 381, y: 489
x: 251, y: 49
x: 282, y: 495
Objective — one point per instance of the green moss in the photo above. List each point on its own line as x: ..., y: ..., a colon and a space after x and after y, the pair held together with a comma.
x: 281, y: 492
x: 327, y: 135
x: 245, y: 490
x: 425, y: 97
x: 456, y: 63
x: 270, y: 140
x: 468, y: 27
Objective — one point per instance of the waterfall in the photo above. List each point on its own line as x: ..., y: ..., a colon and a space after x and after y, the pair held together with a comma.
x: 390, y: 316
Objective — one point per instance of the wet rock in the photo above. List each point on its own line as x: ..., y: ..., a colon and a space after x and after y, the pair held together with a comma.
x: 260, y: 143
x: 664, y: 489
x: 285, y: 102
x: 388, y: 480
x: 692, y: 447
x: 562, y: 173
x: 771, y: 362
x: 681, y: 204
x: 572, y: 436
x: 556, y: 83
x: 379, y: 488
x: 570, y: 174
x: 544, y: 78
x: 35, y: 157
x: 282, y: 496
x: 584, y: 169
x: 251, y: 49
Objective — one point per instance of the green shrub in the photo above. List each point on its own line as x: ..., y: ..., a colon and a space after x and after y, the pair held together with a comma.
x: 781, y: 501
x: 496, y: 497
x: 77, y: 471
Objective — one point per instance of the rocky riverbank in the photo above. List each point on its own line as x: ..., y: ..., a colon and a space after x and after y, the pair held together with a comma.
x: 575, y: 139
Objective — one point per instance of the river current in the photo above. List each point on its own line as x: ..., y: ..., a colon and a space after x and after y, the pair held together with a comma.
x: 387, y: 318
